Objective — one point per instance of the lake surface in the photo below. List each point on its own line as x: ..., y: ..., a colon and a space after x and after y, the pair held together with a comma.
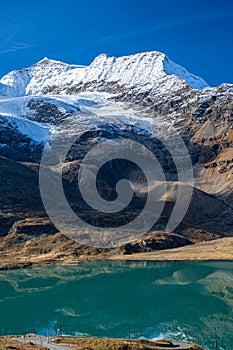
x: 181, y: 300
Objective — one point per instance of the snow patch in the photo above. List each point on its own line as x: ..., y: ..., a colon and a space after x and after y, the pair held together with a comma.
x: 37, y: 132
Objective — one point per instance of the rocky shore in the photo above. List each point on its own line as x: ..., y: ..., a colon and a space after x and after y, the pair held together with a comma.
x: 90, y: 343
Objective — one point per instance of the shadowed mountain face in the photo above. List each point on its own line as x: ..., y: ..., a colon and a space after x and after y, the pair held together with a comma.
x: 142, y: 98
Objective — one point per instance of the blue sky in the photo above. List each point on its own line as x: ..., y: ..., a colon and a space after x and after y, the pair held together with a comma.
x: 196, y: 34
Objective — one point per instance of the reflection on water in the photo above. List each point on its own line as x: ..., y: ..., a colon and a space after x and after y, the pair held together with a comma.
x: 183, y: 300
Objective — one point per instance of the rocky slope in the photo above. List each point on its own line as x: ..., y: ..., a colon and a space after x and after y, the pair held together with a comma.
x: 134, y: 97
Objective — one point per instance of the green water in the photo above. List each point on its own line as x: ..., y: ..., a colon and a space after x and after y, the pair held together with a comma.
x: 182, y: 300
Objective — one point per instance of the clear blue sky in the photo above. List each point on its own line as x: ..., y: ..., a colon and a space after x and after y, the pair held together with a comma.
x: 196, y: 33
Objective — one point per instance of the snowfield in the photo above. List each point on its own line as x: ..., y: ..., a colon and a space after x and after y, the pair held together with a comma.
x: 95, y: 109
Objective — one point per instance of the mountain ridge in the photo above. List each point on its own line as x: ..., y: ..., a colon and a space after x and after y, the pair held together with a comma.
x: 133, y: 70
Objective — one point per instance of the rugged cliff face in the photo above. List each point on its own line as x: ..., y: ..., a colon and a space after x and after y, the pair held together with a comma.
x: 145, y: 98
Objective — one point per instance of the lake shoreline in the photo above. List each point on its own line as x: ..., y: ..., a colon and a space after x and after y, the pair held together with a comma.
x: 93, y: 343
x: 215, y: 250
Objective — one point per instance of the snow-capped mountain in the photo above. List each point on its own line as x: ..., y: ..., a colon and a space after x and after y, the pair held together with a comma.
x: 146, y: 90
x: 144, y: 71
x: 50, y: 91
x: 136, y: 97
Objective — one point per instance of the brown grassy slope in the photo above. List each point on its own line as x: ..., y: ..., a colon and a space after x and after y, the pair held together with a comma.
x: 28, y: 237
x: 220, y: 249
x: 6, y: 344
x: 84, y: 343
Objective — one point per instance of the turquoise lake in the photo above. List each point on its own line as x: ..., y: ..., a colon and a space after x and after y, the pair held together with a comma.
x: 178, y: 300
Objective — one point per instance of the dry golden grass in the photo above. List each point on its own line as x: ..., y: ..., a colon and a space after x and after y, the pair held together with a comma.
x: 7, y: 344
x: 220, y: 249
x: 85, y: 343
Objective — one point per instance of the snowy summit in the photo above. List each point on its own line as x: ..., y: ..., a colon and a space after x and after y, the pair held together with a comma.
x: 147, y: 70
x: 36, y: 99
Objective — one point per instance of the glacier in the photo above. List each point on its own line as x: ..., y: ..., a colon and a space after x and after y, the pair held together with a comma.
x: 88, y: 91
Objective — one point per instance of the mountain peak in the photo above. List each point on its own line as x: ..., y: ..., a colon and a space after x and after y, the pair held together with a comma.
x: 48, y: 61
x: 144, y: 71
x: 141, y: 69
x: 44, y: 60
